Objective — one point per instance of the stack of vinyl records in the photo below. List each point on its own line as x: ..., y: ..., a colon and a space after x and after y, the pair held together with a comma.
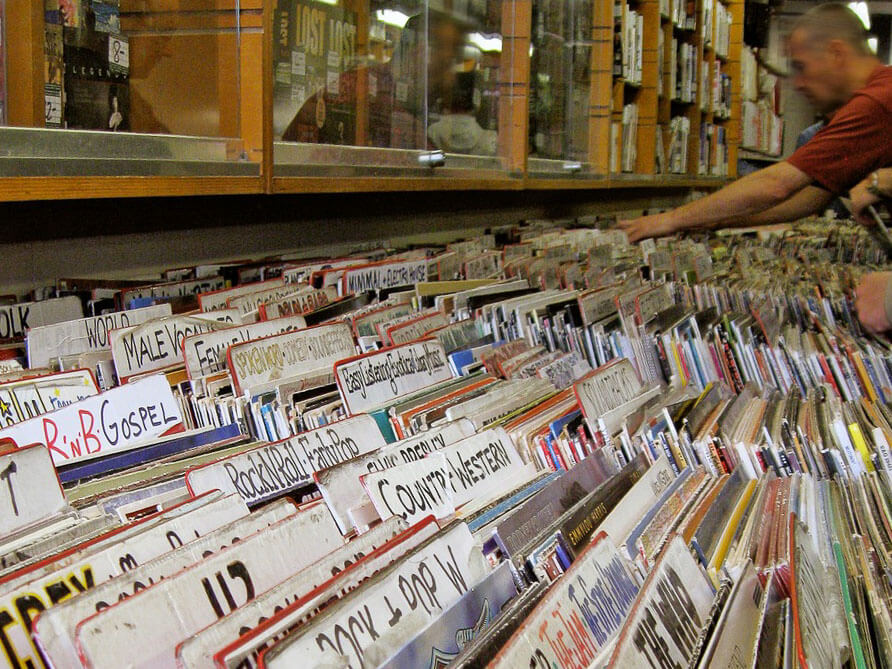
x: 539, y: 447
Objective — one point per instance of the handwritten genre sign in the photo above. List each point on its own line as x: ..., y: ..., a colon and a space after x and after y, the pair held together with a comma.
x: 29, y: 489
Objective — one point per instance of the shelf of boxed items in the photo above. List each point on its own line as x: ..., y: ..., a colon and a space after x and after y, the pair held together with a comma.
x: 761, y: 123
x: 115, y: 64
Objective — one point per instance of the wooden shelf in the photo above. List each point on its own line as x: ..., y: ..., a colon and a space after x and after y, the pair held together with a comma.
x: 20, y: 189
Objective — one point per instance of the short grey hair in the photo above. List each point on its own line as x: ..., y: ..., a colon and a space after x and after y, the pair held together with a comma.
x: 834, y: 21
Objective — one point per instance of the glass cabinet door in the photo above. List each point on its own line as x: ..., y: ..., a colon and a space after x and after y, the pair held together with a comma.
x: 127, y: 87
x: 387, y: 87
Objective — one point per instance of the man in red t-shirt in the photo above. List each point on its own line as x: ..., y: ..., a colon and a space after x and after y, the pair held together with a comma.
x: 835, y: 69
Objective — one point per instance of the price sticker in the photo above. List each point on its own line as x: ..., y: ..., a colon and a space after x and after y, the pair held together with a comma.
x: 118, y: 53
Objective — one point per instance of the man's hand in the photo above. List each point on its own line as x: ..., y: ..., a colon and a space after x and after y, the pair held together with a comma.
x: 870, y: 301
x: 861, y: 200
x: 658, y: 225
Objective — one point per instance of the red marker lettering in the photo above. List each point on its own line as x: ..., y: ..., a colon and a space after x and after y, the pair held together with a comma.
x: 88, y: 432
x: 51, y: 440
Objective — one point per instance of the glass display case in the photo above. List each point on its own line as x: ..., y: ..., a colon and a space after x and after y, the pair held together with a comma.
x: 389, y: 87
x: 560, y: 85
x: 127, y: 87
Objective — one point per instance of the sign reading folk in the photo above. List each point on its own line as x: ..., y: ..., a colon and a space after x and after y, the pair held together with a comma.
x: 205, y: 353
x: 17, y: 319
x: 272, y: 470
x: 260, y: 365
x: 85, y: 334
x: 117, y: 420
x: 158, y: 344
x: 375, y: 379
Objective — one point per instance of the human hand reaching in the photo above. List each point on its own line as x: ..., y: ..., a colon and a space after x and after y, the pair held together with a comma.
x: 645, y: 227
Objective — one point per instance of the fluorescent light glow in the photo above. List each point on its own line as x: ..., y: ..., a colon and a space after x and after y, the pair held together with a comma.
x: 392, y: 17
x: 873, y: 43
x: 860, y: 8
x: 485, y: 42
x: 328, y: 2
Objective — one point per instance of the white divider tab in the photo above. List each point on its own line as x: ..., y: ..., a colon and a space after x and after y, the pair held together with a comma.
x: 261, y: 365
x: 147, y: 627
x: 274, y: 469
x: 417, y: 328
x: 474, y: 465
x: 17, y: 319
x: 24, y: 399
x: 117, y: 420
x: 205, y: 353
x: 244, y: 653
x: 302, y: 301
x: 581, y: 613
x: 84, y: 334
x: 55, y: 628
x: 383, y: 275
x: 366, y: 324
x: 216, y: 298
x: 37, y: 588
x: 29, y: 489
x: 199, y: 650
x: 173, y: 289
x: 158, y: 344
x: 251, y: 301
x: 669, y: 613
x: 370, y: 381
x: 606, y: 388
x: 412, y: 491
x: 340, y: 485
x: 377, y: 619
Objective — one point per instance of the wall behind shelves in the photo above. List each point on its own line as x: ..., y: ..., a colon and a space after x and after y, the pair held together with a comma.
x: 132, y: 238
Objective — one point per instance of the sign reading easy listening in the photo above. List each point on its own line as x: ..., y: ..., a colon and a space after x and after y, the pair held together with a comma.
x: 85, y: 334
x: 117, y: 420
x: 375, y: 379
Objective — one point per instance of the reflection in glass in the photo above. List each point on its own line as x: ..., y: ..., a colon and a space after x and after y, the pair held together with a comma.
x: 388, y: 75
x: 559, y: 79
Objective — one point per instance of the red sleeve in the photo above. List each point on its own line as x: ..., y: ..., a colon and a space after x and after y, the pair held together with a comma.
x: 854, y: 143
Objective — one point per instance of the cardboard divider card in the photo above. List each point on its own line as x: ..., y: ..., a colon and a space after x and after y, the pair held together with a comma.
x: 383, y: 275
x: 205, y: 353
x: 250, y: 302
x: 607, y: 387
x: 260, y: 365
x: 417, y: 328
x: 669, y: 612
x: 27, y: 398
x: 173, y: 289
x: 158, y: 344
x: 366, y: 324
x: 148, y: 626
x: 17, y: 319
x: 578, y: 617
x: 272, y: 470
x: 85, y: 334
x: 215, y: 298
x: 340, y: 485
x: 374, y: 621
x: 412, y: 491
x: 29, y: 591
x: 375, y: 379
x: 245, y: 652
x: 116, y: 420
x: 54, y: 628
x: 199, y: 650
x: 295, y: 303
x: 29, y: 489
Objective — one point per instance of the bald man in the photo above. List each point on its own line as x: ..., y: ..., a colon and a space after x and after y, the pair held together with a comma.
x: 835, y: 69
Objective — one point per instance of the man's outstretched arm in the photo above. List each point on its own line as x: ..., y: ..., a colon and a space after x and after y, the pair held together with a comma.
x: 753, y: 194
x: 810, y: 200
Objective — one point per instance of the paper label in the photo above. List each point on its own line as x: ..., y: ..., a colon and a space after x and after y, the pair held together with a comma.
x: 158, y: 344
x: 270, y: 471
x: 606, y: 388
x: 375, y: 379
x: 29, y: 489
x: 215, y: 298
x: 16, y: 319
x: 416, y: 328
x: 174, y: 289
x: 303, y: 301
x: 263, y: 364
x: 383, y: 275
x: 29, y: 398
x: 86, y: 334
x: 251, y: 302
x: 117, y: 420
x: 412, y: 491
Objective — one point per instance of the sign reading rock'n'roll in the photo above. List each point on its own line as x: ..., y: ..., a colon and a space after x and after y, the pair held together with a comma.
x: 373, y: 380
x: 119, y: 419
x: 302, y: 355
